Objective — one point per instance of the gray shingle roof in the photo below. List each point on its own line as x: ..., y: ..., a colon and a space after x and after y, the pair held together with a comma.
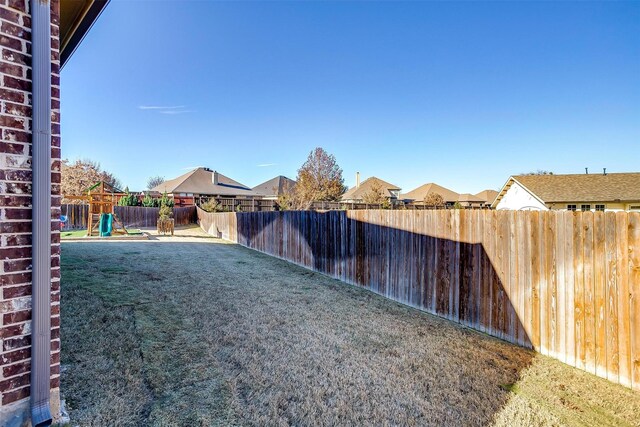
x: 611, y: 187
x: 356, y: 193
x: 200, y: 181
x: 275, y: 186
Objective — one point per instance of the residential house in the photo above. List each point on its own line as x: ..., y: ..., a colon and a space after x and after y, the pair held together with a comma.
x: 575, y: 192
x: 203, y: 183
x: 275, y: 187
x: 488, y: 196
x: 467, y: 200
x: 358, y: 193
x: 418, y: 195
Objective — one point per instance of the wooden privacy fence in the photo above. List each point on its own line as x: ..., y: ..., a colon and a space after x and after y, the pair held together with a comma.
x: 131, y: 216
x: 251, y: 205
x: 564, y: 283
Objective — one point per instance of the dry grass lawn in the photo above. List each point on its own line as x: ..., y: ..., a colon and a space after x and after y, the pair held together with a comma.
x: 205, y: 333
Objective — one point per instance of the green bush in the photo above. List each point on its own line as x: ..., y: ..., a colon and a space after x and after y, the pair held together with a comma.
x: 211, y: 206
x: 165, y: 212
x: 149, y: 202
x: 166, y: 200
x: 128, y: 199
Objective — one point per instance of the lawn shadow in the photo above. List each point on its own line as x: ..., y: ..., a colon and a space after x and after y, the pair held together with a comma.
x: 457, y: 279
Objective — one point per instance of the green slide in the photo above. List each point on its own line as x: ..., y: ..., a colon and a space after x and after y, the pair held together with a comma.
x: 106, y: 225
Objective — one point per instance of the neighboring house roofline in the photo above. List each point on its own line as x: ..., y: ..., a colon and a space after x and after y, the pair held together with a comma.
x: 506, y: 187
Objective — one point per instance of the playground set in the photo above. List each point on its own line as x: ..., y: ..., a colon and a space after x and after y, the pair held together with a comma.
x: 102, y: 221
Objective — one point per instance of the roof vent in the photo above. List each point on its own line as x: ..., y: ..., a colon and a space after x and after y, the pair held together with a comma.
x: 586, y: 170
x: 214, y: 177
x: 604, y: 171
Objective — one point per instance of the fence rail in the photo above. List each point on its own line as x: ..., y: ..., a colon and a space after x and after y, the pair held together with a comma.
x: 564, y: 283
x: 248, y: 205
x: 131, y: 216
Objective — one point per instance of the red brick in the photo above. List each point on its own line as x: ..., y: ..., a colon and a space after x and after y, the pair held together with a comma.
x: 55, y: 333
x: 55, y: 369
x: 15, y: 200
x: 13, y: 122
x: 9, y: 15
x: 18, y: 5
x: 17, y: 213
x: 11, y: 95
x: 18, y: 342
x: 14, y: 396
x: 14, y: 383
x: 15, y: 57
x: 17, y: 135
x: 17, y: 240
x: 55, y: 345
x: 7, y: 227
x: 11, y: 69
x: 16, y: 368
x: 16, y: 291
x: 10, y: 42
x: 17, y: 109
x: 17, y: 265
x: 15, y: 279
x: 55, y: 309
x: 14, y: 83
x: 55, y: 382
x: 55, y: 297
x: 11, y: 148
x: 15, y: 356
x: 11, y: 331
x: 55, y: 357
x: 18, y: 188
x: 16, y: 317
x: 14, y: 30
x: 55, y: 322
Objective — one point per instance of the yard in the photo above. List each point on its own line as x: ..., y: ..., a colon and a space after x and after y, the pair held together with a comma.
x: 193, y: 331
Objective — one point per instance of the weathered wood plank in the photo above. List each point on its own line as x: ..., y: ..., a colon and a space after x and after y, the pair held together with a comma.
x: 634, y: 293
x: 623, y: 301
x: 611, y: 298
x: 589, y: 296
x: 599, y: 276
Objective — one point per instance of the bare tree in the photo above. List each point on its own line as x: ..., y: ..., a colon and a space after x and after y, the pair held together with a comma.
x: 319, y: 179
x: 77, y: 177
x: 434, y: 199
x: 154, y: 181
x: 375, y: 195
x: 538, y: 172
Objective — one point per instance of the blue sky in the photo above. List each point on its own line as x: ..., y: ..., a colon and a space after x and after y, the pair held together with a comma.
x: 463, y: 94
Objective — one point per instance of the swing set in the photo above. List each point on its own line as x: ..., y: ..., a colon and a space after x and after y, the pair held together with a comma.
x: 102, y: 220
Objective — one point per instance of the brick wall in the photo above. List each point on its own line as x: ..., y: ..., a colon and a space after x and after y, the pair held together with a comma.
x: 15, y: 205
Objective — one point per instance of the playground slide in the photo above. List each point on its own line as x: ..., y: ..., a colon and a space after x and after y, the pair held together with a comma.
x: 106, y: 225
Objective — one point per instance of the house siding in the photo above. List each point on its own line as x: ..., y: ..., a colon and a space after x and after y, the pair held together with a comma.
x: 15, y: 210
x: 518, y: 198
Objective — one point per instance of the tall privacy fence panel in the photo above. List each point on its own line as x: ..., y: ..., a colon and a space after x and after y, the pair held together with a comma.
x: 131, y: 216
x: 564, y: 283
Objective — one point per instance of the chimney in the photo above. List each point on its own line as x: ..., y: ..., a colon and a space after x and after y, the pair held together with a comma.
x: 604, y: 171
x: 586, y: 170
x: 357, y: 179
x: 214, y: 177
